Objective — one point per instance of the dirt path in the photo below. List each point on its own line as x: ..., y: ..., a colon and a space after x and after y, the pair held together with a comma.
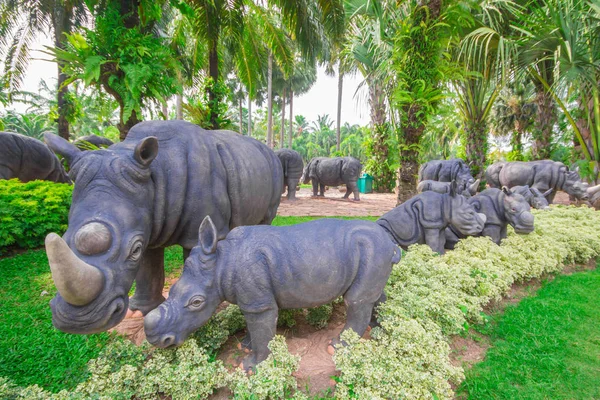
x: 333, y: 205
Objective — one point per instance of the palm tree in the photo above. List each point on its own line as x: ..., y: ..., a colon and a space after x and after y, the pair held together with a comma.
x: 513, y: 114
x: 21, y: 21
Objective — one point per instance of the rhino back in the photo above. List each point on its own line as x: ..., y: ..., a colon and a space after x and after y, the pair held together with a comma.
x: 304, y: 265
x: 233, y: 178
x: 541, y: 174
x: 329, y: 171
x: 28, y: 159
x: 443, y: 170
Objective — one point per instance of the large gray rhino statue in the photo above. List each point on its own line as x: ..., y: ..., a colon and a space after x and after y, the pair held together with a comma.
x: 264, y: 269
x: 139, y: 196
x: 424, y: 218
x: 501, y: 208
x: 98, y: 141
x: 28, y: 159
x: 335, y: 171
x: 448, y: 171
x: 541, y: 175
x: 293, y: 166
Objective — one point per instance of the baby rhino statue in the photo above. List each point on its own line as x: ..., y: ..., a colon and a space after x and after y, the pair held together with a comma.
x: 265, y: 268
x: 325, y: 171
x: 534, y: 197
x: 423, y: 219
x: 292, y: 164
x: 501, y: 207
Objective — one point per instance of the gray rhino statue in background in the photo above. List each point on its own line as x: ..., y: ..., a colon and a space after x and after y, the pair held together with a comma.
x: 293, y: 166
x: 29, y: 159
x: 424, y: 218
x: 448, y: 171
x: 501, y: 208
x: 139, y: 196
x: 335, y: 171
x: 98, y: 141
x: 444, y: 187
x: 264, y: 269
x: 534, y: 197
x: 541, y: 175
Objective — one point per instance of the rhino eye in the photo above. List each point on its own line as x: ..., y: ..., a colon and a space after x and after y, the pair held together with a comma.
x: 136, y: 251
x: 195, y: 302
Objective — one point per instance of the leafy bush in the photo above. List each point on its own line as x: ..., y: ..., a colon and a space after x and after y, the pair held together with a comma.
x: 29, y: 211
x: 319, y: 316
x: 430, y: 298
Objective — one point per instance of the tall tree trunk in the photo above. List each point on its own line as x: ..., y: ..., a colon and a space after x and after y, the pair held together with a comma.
x: 383, y: 176
x: 339, y: 111
x: 125, y: 126
x: 241, y: 116
x: 61, y: 19
x: 545, y: 117
x: 282, y: 133
x: 179, y: 105
x: 476, y: 137
x: 165, y: 110
x: 291, y: 135
x: 249, y: 115
x: 409, y: 155
x: 213, y: 71
x: 270, y: 102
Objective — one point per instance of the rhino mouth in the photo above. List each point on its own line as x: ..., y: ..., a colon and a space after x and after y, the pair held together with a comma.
x: 86, y: 319
x: 523, y: 229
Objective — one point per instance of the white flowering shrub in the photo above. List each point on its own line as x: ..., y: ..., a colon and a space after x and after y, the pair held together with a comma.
x: 430, y: 298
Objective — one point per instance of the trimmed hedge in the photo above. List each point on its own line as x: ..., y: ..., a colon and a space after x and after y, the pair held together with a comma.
x: 29, y: 211
x: 430, y: 299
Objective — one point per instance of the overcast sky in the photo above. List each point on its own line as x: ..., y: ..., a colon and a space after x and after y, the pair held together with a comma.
x: 321, y: 99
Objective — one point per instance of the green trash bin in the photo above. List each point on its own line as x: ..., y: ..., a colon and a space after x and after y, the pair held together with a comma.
x: 365, y: 183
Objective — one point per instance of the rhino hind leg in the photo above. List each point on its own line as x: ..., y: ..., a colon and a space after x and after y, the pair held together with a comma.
x: 315, y: 185
x: 292, y: 186
x: 262, y: 327
x: 321, y: 189
x: 374, y: 322
x: 149, y: 282
x: 352, y: 187
x: 358, y: 319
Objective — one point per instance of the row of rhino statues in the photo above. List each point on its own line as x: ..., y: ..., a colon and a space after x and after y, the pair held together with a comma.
x: 537, y: 181
x: 215, y: 193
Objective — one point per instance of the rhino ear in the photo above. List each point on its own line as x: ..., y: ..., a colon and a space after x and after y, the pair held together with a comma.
x: 453, y: 188
x: 61, y: 146
x: 146, y: 151
x: 207, y: 236
x: 507, y: 191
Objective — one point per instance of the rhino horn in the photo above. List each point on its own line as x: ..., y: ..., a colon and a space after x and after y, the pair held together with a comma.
x: 593, y: 190
x: 474, y: 186
x: 77, y: 282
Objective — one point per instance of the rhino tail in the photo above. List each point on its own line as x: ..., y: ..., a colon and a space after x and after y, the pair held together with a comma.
x: 397, y: 255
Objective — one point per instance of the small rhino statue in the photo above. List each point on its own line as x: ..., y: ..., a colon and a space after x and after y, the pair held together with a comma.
x: 263, y: 269
x: 448, y: 171
x: 325, y: 171
x: 444, y: 187
x: 501, y: 208
x: 293, y: 166
x: 424, y: 218
x: 534, y: 197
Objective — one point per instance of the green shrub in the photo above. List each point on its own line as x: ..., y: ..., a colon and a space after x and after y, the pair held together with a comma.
x: 29, y: 211
x: 319, y: 316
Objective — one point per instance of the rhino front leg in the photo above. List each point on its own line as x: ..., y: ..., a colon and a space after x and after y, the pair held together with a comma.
x: 322, y: 189
x: 149, y: 282
x: 494, y: 232
x: 6, y: 173
x: 436, y: 239
x: 261, y: 328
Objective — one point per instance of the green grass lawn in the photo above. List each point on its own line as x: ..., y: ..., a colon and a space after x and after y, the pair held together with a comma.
x: 547, y: 347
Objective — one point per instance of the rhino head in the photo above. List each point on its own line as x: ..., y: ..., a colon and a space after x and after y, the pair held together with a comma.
x: 96, y: 261
x: 517, y: 211
x: 575, y: 186
x: 463, y: 216
x: 193, y: 299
